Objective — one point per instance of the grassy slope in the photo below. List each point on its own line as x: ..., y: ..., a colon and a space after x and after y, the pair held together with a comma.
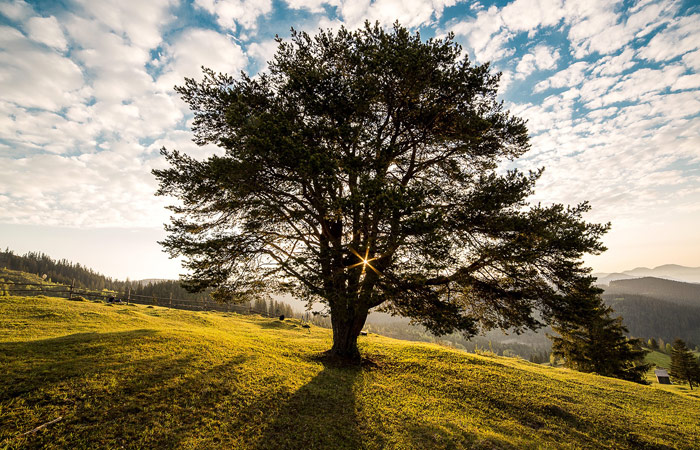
x: 17, y: 276
x: 658, y: 359
x: 143, y: 377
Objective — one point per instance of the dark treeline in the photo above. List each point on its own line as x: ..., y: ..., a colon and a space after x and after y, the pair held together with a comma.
x: 65, y: 272
x: 652, y: 317
x: 658, y: 308
x: 58, y: 271
x: 672, y: 291
x: 87, y: 282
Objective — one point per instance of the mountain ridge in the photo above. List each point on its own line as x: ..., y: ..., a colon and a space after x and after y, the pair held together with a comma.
x: 674, y: 272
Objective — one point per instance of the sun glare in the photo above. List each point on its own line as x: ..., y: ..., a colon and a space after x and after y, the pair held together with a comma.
x: 364, y: 260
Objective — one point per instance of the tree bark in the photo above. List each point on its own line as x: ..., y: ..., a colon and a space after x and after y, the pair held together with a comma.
x: 347, y: 324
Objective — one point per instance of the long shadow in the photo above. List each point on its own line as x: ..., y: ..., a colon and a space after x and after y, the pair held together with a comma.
x: 320, y: 415
x: 32, y: 364
x: 105, y: 386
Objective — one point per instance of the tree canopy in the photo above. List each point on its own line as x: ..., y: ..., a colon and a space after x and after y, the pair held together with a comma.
x: 361, y: 170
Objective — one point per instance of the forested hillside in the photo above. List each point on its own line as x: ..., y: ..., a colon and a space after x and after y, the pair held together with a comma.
x: 66, y: 272
x: 672, y: 291
x: 651, y: 317
x: 654, y: 307
x: 59, y: 271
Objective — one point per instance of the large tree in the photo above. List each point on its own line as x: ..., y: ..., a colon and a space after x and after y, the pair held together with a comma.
x: 361, y: 170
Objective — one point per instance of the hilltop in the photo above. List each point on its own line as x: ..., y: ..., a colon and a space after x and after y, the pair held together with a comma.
x: 152, y: 377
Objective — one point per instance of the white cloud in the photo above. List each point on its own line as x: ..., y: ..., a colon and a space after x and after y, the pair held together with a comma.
x: 485, y: 35
x: 34, y: 77
x: 594, y: 26
x: 409, y: 13
x: 196, y: 48
x: 116, y: 68
x: 542, y: 58
x: 231, y: 12
x: 639, y: 85
x: 528, y: 15
x: 687, y: 82
x: 678, y: 38
x: 105, y: 189
x: 16, y: 10
x: 315, y: 6
x: 569, y: 77
x: 263, y: 52
x: 139, y: 21
x: 613, y: 65
x: 46, y: 30
x: 692, y: 60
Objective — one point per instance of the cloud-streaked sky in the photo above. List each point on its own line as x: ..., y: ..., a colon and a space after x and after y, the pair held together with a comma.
x: 611, y: 91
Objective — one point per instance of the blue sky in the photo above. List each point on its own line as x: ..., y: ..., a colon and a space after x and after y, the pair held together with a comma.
x: 611, y: 91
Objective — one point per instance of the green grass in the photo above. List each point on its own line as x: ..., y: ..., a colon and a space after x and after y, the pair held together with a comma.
x: 137, y: 377
x: 658, y: 359
x: 16, y: 276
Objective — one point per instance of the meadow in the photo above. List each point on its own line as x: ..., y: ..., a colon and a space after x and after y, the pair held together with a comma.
x: 132, y: 376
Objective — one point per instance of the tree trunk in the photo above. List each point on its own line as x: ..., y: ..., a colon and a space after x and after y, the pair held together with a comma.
x: 347, y: 325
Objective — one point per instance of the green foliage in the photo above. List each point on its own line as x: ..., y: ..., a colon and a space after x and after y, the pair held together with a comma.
x: 684, y: 365
x: 594, y: 341
x: 139, y: 377
x: 360, y: 171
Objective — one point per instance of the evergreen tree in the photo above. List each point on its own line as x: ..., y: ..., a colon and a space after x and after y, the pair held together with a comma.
x: 260, y: 307
x: 662, y: 345
x: 361, y: 171
x: 684, y: 366
x: 592, y: 340
x: 652, y: 344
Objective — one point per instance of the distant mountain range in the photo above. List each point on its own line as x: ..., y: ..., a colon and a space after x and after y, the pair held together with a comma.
x: 667, y: 271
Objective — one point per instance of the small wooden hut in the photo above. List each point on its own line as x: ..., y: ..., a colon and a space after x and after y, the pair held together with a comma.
x: 662, y: 376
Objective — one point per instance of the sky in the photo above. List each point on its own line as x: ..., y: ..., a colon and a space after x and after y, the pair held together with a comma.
x: 610, y: 89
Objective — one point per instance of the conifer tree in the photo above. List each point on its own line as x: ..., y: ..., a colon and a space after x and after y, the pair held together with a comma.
x: 592, y: 340
x: 360, y: 171
x: 684, y: 366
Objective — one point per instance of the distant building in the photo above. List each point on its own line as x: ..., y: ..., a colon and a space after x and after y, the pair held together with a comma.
x: 662, y: 376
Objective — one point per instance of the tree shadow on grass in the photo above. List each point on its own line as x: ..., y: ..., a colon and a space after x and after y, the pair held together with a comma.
x: 111, y: 389
x: 319, y: 415
x: 40, y: 362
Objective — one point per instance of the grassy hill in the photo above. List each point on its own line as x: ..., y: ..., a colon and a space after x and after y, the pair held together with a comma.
x: 150, y: 377
x: 16, y: 276
x: 658, y: 359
